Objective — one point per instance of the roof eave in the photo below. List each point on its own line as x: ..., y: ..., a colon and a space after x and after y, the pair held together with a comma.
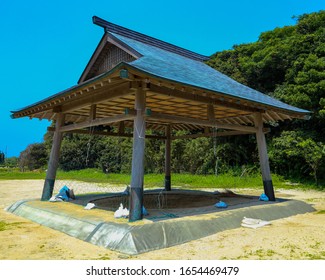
x: 304, y: 114
x: 113, y: 72
x: 68, y: 91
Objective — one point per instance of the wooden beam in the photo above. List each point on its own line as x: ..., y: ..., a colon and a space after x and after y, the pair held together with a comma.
x: 57, y: 109
x: 53, y: 160
x: 195, y: 121
x: 168, y: 158
x: 218, y: 134
x: 199, y: 98
x: 97, y: 97
x: 105, y: 133
x: 136, y: 190
x: 264, y: 159
x: 99, y: 121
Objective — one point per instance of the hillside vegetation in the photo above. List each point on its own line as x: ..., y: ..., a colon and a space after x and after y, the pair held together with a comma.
x: 288, y: 63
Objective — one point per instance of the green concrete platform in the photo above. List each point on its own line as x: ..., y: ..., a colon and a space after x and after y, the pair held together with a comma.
x: 161, y: 229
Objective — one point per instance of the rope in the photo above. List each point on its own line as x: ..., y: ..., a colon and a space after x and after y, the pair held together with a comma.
x: 91, y: 131
x: 161, y: 200
x: 139, y: 133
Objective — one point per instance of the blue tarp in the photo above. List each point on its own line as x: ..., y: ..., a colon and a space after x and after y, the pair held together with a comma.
x: 64, y: 194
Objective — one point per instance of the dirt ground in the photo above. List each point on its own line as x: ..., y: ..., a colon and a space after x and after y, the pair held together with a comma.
x: 297, y: 237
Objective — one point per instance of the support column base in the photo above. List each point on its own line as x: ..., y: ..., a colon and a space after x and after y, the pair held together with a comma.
x: 136, y: 203
x: 48, y: 189
x: 269, y: 190
x: 167, y: 183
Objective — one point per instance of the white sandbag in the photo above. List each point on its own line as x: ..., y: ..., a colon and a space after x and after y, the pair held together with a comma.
x: 121, y: 212
x: 254, y: 223
x: 90, y: 206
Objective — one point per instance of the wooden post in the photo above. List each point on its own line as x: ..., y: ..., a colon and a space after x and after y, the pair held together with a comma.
x: 121, y: 128
x: 54, y: 159
x: 136, y: 190
x: 210, y: 112
x: 92, y: 113
x: 264, y: 159
x: 167, y: 158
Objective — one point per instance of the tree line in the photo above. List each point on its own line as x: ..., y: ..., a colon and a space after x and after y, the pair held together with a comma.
x: 287, y: 63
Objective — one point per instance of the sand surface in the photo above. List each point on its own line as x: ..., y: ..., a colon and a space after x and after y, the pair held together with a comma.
x: 296, y: 237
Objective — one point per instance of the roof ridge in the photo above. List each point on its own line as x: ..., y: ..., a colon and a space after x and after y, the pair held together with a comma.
x: 120, y: 30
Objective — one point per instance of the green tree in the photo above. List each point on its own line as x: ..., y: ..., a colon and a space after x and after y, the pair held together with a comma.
x: 80, y: 151
x: 2, y: 157
x: 297, y: 154
x: 12, y: 161
x: 35, y: 156
x: 313, y: 154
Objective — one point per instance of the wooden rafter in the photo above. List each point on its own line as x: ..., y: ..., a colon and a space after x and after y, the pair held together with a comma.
x: 100, y: 96
x: 200, y: 122
x: 199, y: 98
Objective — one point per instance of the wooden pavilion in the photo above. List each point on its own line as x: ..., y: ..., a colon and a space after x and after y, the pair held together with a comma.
x: 136, y: 81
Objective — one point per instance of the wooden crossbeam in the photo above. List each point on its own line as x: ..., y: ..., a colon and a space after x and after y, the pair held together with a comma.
x: 106, y: 133
x: 217, y: 134
x: 212, y: 123
x: 99, y: 121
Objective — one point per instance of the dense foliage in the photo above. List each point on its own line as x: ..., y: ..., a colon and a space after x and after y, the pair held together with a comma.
x: 2, y: 157
x: 287, y: 63
x: 35, y: 156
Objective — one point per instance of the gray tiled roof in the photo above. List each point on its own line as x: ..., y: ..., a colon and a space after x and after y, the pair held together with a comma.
x: 120, y: 30
x: 175, y: 67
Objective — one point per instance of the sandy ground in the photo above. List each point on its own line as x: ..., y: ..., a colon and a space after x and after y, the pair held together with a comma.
x: 296, y: 237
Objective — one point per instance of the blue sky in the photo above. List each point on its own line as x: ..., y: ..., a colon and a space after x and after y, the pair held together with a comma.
x: 45, y: 45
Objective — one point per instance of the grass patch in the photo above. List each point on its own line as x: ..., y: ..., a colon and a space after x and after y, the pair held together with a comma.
x: 4, y: 226
x: 105, y: 257
x: 318, y: 256
x: 17, y: 175
x: 180, y: 180
x: 320, y: 212
x: 226, y: 181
